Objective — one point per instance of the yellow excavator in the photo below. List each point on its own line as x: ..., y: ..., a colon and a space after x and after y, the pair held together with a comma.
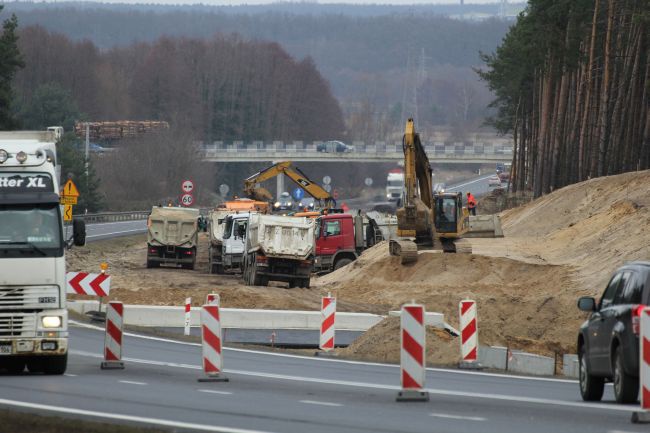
x: 426, y: 220
x: 256, y: 192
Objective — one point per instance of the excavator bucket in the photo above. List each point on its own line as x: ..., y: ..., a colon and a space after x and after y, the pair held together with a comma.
x: 484, y: 226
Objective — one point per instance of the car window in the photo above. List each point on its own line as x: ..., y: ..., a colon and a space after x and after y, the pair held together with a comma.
x: 627, y: 280
x: 332, y: 228
x: 633, y: 291
x: 610, y: 291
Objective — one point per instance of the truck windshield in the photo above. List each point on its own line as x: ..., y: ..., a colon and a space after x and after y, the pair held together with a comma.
x: 30, y: 230
x: 396, y: 183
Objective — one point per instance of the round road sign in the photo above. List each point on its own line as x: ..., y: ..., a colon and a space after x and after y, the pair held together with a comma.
x: 327, y: 188
x: 223, y: 189
x: 298, y: 193
x: 327, y: 180
x: 368, y: 181
x: 187, y: 186
x: 187, y: 199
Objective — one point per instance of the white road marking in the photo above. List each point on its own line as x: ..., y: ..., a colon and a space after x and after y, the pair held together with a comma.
x: 131, y: 382
x: 69, y: 374
x: 340, y: 361
x: 460, y: 417
x: 117, y: 233
x: 502, y: 397
x: 214, y: 391
x: 130, y: 418
x: 469, y: 183
x: 321, y: 403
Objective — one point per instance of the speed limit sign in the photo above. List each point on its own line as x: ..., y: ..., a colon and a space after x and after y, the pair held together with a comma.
x: 187, y: 199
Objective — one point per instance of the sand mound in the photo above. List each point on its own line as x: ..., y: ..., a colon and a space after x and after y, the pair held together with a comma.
x: 381, y: 343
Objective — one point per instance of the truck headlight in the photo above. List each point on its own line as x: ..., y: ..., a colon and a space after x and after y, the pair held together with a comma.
x: 388, y: 195
x: 277, y: 204
x: 51, y: 321
x: 4, y: 156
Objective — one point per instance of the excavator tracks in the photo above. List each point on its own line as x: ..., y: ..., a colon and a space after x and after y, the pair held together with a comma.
x: 405, y: 249
x: 460, y: 246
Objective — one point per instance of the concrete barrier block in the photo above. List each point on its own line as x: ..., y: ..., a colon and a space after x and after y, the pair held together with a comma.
x: 430, y: 319
x: 570, y: 365
x: 483, y: 226
x: 492, y: 357
x: 528, y: 363
x: 172, y: 316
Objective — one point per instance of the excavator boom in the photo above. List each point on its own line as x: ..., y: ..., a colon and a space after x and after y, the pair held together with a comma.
x: 252, y: 190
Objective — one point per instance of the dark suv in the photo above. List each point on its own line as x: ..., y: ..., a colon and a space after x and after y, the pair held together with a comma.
x: 608, y: 342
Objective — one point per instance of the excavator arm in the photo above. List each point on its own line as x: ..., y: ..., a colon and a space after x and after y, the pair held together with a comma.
x: 298, y: 177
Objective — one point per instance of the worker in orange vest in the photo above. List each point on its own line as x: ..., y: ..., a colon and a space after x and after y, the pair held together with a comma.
x: 471, y: 203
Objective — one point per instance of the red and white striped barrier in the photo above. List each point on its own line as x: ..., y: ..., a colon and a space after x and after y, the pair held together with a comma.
x: 643, y: 416
x: 413, y: 353
x: 113, y: 336
x: 468, y: 334
x: 83, y: 283
x: 211, y: 344
x: 188, y: 315
x: 327, y: 324
x: 213, y: 298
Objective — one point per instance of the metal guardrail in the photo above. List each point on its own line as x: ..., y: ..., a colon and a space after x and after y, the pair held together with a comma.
x: 111, y: 217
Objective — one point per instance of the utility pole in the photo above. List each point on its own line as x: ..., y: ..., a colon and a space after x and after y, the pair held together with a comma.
x: 87, y: 156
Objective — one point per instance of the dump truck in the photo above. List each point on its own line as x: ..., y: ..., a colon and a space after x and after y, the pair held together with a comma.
x: 172, y: 237
x: 279, y: 248
x: 217, y: 263
x: 33, y: 314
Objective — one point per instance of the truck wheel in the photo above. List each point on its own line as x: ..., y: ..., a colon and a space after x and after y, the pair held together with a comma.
x: 36, y: 364
x: 13, y: 365
x: 55, y: 364
x: 341, y: 262
x: 591, y: 387
x: 152, y: 264
x: 305, y: 283
x: 626, y: 387
x: 218, y: 269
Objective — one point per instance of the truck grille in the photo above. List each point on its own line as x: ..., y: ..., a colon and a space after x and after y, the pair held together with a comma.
x: 33, y: 297
x: 17, y: 325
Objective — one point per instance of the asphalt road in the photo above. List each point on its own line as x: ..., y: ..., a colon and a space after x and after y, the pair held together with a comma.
x: 100, y: 231
x: 285, y: 393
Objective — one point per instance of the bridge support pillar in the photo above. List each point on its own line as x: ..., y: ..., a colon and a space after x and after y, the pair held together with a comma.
x: 279, y: 185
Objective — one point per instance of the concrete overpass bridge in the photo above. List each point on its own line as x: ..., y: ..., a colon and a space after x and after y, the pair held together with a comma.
x: 297, y: 151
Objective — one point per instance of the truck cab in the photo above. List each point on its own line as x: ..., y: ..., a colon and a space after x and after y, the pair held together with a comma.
x: 339, y: 241
x: 33, y: 315
x: 234, y: 239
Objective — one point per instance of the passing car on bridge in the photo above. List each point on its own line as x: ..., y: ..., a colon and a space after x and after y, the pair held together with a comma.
x: 334, y: 146
x: 608, y: 342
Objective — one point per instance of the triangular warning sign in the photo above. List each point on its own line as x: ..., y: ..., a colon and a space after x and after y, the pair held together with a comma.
x: 70, y: 189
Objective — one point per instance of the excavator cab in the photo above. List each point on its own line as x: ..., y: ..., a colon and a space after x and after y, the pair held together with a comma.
x: 448, y: 212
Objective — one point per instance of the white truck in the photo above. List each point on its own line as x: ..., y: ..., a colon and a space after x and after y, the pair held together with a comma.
x: 227, y: 234
x: 172, y: 236
x: 394, y: 185
x: 279, y: 248
x: 33, y: 315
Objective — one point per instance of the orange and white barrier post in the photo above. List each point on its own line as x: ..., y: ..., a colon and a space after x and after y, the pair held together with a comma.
x: 643, y: 416
x: 468, y: 334
x: 188, y: 315
x: 113, y: 336
x: 327, y: 324
x: 413, y: 353
x: 211, y: 343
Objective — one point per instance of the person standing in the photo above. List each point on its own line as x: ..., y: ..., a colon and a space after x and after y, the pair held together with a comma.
x: 471, y: 203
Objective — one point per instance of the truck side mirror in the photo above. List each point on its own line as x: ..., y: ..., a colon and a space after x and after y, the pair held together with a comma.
x: 78, y: 232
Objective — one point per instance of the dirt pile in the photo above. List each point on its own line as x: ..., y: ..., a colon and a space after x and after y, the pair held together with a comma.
x: 381, y: 343
x: 133, y: 283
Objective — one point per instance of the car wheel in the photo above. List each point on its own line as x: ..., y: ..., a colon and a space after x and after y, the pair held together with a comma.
x: 591, y: 387
x: 626, y: 387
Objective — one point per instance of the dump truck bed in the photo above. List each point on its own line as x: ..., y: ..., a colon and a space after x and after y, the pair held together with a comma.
x: 216, y: 229
x: 280, y: 236
x: 173, y: 226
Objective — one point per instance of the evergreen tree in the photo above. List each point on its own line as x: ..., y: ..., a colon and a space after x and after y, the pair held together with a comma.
x: 72, y: 161
x: 10, y: 62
